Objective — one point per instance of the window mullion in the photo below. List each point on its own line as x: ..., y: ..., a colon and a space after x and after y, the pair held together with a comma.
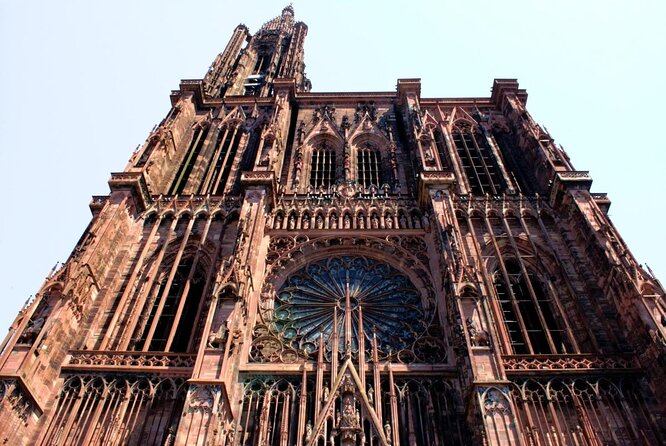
x: 528, y: 283
x: 485, y: 166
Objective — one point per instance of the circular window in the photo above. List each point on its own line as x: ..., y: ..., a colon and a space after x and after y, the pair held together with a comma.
x: 343, y: 288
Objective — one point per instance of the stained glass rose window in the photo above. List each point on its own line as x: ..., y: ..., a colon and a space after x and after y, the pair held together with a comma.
x: 347, y: 286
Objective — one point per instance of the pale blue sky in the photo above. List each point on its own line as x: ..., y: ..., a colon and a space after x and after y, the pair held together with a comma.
x: 82, y: 83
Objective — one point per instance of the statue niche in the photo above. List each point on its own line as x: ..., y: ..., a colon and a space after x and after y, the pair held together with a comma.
x: 37, y: 321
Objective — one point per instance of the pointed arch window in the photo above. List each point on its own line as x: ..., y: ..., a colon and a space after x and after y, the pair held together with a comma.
x: 442, y: 151
x: 478, y: 161
x: 183, y: 174
x: 172, y: 313
x: 322, y: 166
x: 528, y: 312
x: 369, y: 166
x: 224, y: 152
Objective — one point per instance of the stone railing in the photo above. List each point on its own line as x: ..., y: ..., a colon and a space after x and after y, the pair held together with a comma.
x: 567, y: 363
x: 130, y: 361
x: 193, y: 205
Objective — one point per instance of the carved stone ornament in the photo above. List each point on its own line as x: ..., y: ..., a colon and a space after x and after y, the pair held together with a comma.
x: 202, y: 399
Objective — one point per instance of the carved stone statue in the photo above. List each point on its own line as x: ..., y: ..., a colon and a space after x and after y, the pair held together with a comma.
x: 348, y: 415
x: 32, y: 331
x: 425, y: 223
x: 347, y: 222
x: 320, y: 222
x: 477, y: 337
x: 403, y: 222
x: 388, y: 222
x: 217, y: 338
x: 292, y: 222
x: 361, y: 222
x: 308, y: 431
x: 371, y: 395
x: 375, y: 222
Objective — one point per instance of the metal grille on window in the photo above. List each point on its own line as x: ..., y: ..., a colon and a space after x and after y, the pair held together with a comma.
x: 478, y: 161
x: 322, y: 171
x: 369, y: 166
x: 528, y: 315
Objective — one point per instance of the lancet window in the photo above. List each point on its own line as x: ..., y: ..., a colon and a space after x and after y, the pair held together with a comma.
x: 174, y: 309
x: 322, y: 166
x: 583, y: 412
x: 186, y: 166
x: 224, y: 151
x: 441, y: 149
x: 263, y: 61
x: 369, y: 166
x: 166, y: 305
x: 479, y: 163
x: 121, y: 411
x: 270, y: 411
x: 528, y: 311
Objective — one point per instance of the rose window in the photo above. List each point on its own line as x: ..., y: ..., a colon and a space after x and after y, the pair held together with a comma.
x: 341, y: 291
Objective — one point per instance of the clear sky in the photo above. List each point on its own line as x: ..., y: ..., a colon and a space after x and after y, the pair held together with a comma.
x: 82, y: 83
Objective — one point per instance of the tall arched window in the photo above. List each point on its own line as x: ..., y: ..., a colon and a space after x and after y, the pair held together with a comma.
x: 322, y: 166
x: 529, y: 317
x: 478, y: 161
x: 224, y: 152
x: 186, y: 166
x: 172, y: 313
x: 369, y: 165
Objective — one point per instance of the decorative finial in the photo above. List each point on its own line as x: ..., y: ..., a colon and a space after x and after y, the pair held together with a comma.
x: 288, y: 10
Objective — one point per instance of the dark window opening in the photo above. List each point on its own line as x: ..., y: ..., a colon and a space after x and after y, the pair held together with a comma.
x: 528, y: 315
x: 228, y: 162
x: 322, y: 167
x: 198, y: 139
x: 369, y: 166
x: 478, y: 161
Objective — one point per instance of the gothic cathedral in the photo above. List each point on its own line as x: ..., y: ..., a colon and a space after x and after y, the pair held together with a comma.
x: 280, y: 267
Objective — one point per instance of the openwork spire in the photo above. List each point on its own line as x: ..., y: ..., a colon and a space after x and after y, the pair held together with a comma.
x: 283, y: 22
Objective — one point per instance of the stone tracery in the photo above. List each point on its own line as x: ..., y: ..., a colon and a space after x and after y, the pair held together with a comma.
x: 330, y: 291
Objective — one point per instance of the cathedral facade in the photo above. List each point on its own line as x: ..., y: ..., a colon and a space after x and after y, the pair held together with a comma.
x: 280, y: 267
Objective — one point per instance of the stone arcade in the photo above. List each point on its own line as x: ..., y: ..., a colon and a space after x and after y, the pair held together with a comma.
x: 280, y: 267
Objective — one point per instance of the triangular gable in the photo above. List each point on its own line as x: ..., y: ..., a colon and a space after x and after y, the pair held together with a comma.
x: 235, y: 116
x: 429, y: 121
x: 459, y: 114
x: 324, y: 127
x: 367, y: 126
x: 347, y: 370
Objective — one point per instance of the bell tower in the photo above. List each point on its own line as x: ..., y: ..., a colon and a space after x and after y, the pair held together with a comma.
x: 250, y: 64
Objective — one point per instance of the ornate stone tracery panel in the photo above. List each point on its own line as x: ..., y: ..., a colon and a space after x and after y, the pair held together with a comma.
x: 333, y: 290
x: 342, y: 289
